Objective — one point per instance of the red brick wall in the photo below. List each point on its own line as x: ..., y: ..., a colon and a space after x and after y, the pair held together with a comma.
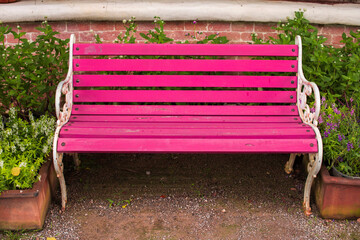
x: 236, y: 32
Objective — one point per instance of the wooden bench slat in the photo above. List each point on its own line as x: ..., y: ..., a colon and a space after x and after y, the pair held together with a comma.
x: 185, y: 49
x: 241, y: 133
x: 189, y: 65
x: 227, y: 110
x: 180, y: 125
x: 189, y: 96
x: 196, y: 119
x: 184, y: 81
x: 207, y: 145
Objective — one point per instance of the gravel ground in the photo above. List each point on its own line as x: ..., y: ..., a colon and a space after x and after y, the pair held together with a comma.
x: 185, y: 196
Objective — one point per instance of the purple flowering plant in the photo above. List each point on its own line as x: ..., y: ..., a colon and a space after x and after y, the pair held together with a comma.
x: 340, y: 129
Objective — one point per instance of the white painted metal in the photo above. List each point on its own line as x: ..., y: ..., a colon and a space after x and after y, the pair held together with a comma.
x: 64, y: 87
x: 289, y: 164
x: 304, y: 89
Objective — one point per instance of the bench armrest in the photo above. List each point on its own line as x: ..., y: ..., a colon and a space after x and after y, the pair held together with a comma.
x: 304, y: 89
x: 65, y: 87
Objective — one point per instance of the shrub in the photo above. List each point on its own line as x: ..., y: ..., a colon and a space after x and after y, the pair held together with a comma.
x: 335, y: 70
x: 24, y: 147
x: 30, y: 71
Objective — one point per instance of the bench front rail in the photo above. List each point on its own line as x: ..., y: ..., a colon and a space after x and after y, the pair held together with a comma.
x: 154, y: 98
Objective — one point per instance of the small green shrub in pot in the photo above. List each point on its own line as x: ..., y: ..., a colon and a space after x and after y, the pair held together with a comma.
x: 24, y: 147
x: 340, y: 129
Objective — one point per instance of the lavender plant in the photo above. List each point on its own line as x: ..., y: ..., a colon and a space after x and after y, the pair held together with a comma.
x: 340, y: 128
x: 24, y: 147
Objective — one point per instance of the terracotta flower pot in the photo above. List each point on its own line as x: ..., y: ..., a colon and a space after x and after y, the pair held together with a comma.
x: 26, y: 209
x: 337, y: 197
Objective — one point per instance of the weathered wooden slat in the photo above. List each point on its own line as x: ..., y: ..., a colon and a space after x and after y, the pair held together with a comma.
x: 196, y: 119
x: 227, y: 110
x: 190, y: 65
x: 186, y: 49
x: 181, y: 125
x: 184, y: 81
x: 189, y: 96
x: 165, y: 145
x: 242, y: 133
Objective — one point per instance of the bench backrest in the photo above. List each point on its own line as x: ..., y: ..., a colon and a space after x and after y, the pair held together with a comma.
x: 226, y: 79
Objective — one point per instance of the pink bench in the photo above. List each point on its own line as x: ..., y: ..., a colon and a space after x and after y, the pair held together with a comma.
x: 219, y: 108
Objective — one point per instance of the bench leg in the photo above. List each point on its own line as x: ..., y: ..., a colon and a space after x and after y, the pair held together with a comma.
x: 58, y: 165
x: 313, y: 169
x: 77, y: 161
x: 289, y: 164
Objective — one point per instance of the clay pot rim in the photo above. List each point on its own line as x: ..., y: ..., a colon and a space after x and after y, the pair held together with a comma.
x: 327, y: 178
x: 34, y: 192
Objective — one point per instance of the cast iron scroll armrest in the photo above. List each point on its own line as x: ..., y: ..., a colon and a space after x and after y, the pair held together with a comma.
x: 65, y: 87
x: 304, y: 89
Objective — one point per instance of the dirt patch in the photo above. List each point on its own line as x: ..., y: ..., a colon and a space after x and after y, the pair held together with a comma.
x: 186, y: 196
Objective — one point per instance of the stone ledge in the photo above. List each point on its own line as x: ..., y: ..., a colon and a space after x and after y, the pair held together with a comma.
x: 174, y: 10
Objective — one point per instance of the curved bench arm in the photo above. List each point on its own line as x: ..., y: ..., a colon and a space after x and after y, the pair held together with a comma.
x: 65, y: 87
x: 304, y: 89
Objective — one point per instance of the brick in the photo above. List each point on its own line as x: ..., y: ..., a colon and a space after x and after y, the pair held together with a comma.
x: 219, y: 26
x: 267, y: 35
x: 78, y: 26
x: 65, y: 35
x: 30, y: 26
x: 199, y: 26
x: 179, y: 35
x: 119, y: 26
x: 88, y: 37
x: 10, y: 39
x: 138, y: 37
x: 351, y: 28
x: 102, y: 26
x: 332, y: 29
x: 335, y: 40
x: 232, y: 36
x: 264, y: 27
x: 246, y: 37
x: 242, y: 27
x: 176, y: 26
x: 58, y: 26
x: 145, y: 26
x: 108, y: 37
x: 13, y: 26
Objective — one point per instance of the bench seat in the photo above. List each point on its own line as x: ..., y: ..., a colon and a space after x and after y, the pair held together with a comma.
x: 187, y: 98
x: 103, y: 133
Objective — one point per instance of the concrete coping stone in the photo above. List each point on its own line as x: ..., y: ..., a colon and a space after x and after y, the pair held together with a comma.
x: 174, y: 10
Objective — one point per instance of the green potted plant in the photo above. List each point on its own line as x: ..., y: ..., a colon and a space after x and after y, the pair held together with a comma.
x: 29, y: 72
x: 339, y: 196
x: 25, y: 171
